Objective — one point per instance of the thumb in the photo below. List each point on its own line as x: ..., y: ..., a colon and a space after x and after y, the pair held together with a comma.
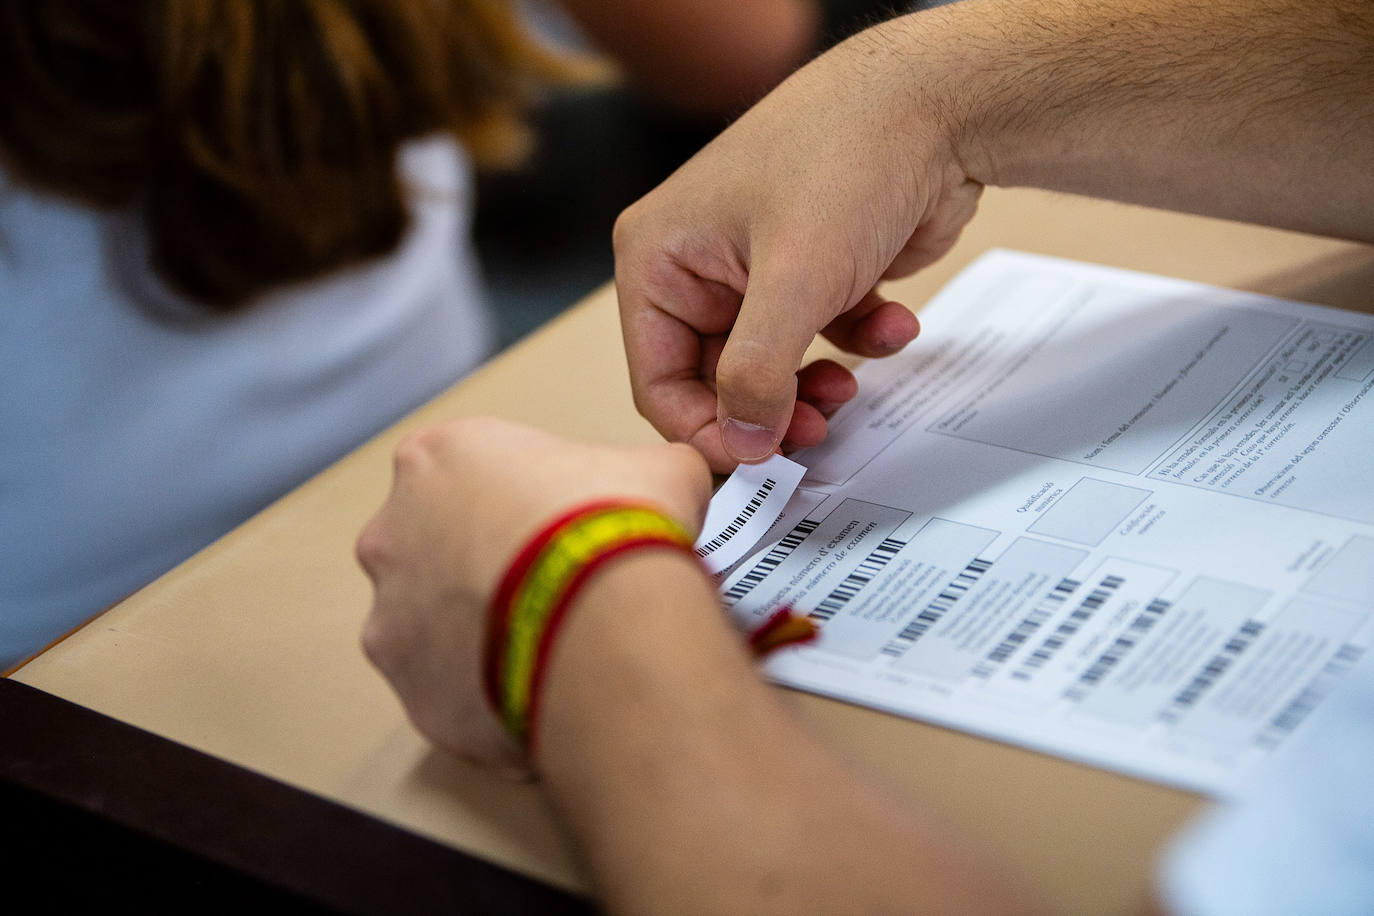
x: 756, y: 376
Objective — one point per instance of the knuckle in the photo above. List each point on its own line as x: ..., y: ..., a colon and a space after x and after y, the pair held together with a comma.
x: 413, y: 451
x: 694, y: 471
x: 621, y: 235
x: 664, y: 421
x: 375, y: 643
x: 419, y: 448
x: 647, y: 407
x: 370, y: 548
x: 390, y: 640
x: 689, y: 463
x: 623, y: 231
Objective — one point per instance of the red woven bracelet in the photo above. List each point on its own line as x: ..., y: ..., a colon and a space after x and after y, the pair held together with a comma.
x: 541, y: 582
x: 539, y: 587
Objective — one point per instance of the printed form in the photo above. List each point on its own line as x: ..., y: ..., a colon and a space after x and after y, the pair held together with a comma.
x: 1115, y: 517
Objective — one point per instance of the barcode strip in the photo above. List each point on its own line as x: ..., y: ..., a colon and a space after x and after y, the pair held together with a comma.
x: 1133, y: 634
x: 1292, y: 715
x: 861, y: 576
x: 1071, y: 625
x: 776, y: 554
x: 1044, y: 610
x: 1218, y: 665
x: 732, y: 529
x: 938, y: 607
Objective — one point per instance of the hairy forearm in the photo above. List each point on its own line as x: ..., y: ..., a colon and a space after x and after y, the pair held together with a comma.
x: 690, y: 789
x: 1260, y: 110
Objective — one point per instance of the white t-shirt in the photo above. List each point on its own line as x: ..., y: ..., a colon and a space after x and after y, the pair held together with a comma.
x: 136, y: 428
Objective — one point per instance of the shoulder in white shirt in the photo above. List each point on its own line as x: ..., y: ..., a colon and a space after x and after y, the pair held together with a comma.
x: 135, y: 428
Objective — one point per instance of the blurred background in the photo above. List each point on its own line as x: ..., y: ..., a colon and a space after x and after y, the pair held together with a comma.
x: 543, y: 232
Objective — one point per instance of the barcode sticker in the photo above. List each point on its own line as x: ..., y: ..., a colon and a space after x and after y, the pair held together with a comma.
x: 744, y: 508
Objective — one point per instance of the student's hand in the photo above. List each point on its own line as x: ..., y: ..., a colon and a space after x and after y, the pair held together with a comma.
x: 467, y: 495
x: 782, y: 228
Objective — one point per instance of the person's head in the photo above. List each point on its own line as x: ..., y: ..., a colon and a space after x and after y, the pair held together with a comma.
x: 256, y: 137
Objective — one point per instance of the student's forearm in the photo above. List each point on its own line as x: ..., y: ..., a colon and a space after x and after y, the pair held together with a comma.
x: 1261, y: 110
x: 689, y: 788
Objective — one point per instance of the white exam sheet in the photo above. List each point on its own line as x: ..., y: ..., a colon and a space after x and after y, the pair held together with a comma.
x: 1115, y: 517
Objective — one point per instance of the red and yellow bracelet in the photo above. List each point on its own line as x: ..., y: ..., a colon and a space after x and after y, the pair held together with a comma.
x: 539, y: 586
x: 541, y: 583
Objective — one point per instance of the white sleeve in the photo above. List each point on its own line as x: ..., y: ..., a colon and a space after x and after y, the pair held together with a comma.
x: 1301, y: 839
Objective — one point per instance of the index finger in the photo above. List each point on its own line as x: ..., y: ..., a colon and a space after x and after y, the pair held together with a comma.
x: 670, y: 336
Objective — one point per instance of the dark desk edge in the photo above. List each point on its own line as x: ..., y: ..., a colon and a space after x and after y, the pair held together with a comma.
x: 103, y: 812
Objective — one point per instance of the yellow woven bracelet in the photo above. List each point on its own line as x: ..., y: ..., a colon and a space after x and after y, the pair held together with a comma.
x: 540, y: 584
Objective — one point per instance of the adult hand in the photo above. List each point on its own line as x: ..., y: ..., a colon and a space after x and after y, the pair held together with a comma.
x: 780, y: 229
x: 466, y: 495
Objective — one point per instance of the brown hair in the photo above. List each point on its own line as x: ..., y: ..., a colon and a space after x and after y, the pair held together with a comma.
x: 258, y: 137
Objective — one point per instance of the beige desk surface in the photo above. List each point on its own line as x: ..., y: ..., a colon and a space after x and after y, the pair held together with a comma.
x: 249, y: 650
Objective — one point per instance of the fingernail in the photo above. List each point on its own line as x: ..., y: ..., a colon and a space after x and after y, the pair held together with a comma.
x: 747, y: 441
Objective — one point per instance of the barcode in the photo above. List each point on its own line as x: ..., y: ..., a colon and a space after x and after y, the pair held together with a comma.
x: 1143, y: 623
x: 1048, y: 606
x: 1292, y: 715
x: 937, y: 608
x: 861, y: 576
x: 1065, y: 631
x: 734, y: 527
x: 776, y: 554
x: 1218, y: 665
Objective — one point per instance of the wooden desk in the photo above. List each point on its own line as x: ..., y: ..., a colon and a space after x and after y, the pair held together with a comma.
x: 249, y: 650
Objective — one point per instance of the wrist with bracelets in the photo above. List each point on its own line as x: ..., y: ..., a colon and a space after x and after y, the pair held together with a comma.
x: 545, y: 577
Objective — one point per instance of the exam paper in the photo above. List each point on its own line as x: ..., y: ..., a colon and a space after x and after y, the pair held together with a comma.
x: 1115, y: 517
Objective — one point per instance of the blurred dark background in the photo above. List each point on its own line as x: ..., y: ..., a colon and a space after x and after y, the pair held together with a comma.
x: 544, y: 232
